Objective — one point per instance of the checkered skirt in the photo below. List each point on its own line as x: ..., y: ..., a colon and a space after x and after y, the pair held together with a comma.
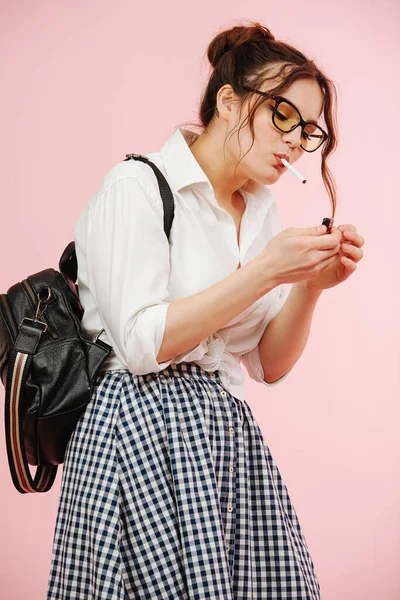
x: 169, y: 491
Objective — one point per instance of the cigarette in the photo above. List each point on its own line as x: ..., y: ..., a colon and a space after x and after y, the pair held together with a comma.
x: 289, y: 166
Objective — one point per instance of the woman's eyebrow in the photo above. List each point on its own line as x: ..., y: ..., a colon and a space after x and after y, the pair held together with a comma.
x: 298, y: 110
x: 309, y: 120
x: 306, y: 120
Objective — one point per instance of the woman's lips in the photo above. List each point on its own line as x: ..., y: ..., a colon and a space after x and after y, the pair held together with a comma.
x: 279, y: 163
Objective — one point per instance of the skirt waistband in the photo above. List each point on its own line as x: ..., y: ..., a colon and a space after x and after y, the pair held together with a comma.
x: 182, y: 369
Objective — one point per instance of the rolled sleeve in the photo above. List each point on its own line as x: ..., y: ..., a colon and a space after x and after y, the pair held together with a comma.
x: 251, y: 360
x: 128, y: 267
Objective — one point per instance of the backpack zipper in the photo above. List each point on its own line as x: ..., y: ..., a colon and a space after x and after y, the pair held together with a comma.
x: 8, y: 317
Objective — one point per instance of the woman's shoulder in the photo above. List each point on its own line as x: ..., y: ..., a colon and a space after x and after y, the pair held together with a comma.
x: 127, y: 181
x: 130, y: 169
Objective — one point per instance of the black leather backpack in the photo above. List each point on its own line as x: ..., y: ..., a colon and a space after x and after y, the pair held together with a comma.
x: 47, y: 363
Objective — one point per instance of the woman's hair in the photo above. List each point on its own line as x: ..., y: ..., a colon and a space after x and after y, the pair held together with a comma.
x: 243, y: 56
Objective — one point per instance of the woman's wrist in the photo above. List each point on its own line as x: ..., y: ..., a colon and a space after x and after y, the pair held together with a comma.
x: 264, y: 272
x: 307, y: 287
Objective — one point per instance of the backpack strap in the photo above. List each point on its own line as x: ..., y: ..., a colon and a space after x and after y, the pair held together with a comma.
x: 25, y: 346
x: 165, y: 191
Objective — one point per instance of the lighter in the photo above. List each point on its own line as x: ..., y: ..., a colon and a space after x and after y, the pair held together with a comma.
x: 328, y: 222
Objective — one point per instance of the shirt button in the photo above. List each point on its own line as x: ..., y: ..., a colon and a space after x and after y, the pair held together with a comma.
x: 227, y: 547
x: 212, y: 375
x: 231, y: 430
x: 230, y: 509
x: 231, y: 469
x: 223, y: 393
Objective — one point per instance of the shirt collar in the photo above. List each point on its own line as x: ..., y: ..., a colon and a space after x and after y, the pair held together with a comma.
x: 183, y: 169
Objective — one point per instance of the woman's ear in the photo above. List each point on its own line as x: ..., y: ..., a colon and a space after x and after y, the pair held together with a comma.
x: 225, y: 99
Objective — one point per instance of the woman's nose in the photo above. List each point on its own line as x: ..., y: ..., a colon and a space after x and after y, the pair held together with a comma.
x: 294, y: 137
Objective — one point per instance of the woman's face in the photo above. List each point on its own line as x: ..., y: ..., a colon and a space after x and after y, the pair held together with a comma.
x: 259, y: 163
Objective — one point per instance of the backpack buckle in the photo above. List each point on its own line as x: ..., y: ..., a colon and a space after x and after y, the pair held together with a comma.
x: 36, y: 323
x: 98, y: 335
x: 133, y: 155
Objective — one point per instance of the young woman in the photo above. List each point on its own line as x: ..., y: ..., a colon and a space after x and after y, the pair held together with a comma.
x: 168, y: 488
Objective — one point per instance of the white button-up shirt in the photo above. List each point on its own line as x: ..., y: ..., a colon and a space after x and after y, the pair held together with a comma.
x: 128, y: 273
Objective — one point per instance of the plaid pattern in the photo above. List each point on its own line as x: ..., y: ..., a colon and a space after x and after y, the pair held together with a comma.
x: 169, y: 491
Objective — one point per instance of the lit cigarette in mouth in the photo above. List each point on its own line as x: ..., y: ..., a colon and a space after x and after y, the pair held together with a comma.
x: 294, y: 171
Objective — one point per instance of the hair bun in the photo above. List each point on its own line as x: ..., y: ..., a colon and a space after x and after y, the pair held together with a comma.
x: 230, y: 39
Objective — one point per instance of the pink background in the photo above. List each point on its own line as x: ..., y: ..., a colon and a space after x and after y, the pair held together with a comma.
x: 85, y: 83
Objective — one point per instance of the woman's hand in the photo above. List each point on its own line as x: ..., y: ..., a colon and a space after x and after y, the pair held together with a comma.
x: 349, y: 255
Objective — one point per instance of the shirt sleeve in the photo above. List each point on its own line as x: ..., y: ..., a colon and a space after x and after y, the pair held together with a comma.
x: 128, y: 267
x: 251, y: 359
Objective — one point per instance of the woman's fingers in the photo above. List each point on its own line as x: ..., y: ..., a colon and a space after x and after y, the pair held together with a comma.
x: 355, y: 238
x: 354, y: 252
x: 348, y: 263
x: 348, y: 227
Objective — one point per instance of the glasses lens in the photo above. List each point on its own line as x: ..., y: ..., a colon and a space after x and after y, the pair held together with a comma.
x: 287, y: 118
x: 312, y: 137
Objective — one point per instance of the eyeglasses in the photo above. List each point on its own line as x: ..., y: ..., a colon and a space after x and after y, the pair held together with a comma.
x: 287, y: 118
